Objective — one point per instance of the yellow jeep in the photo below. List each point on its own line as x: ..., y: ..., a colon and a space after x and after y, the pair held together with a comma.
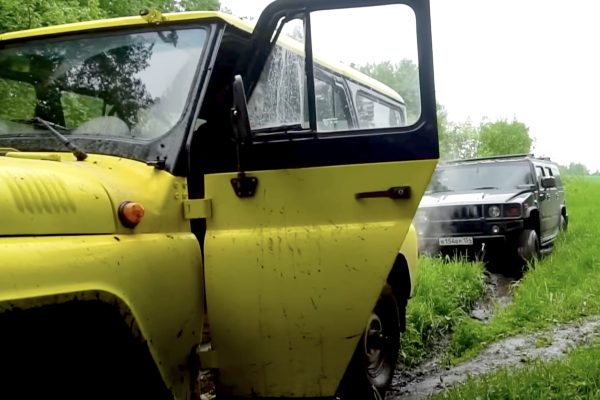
x: 188, y: 191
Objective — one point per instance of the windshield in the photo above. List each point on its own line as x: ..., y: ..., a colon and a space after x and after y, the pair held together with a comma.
x: 128, y: 85
x: 505, y: 175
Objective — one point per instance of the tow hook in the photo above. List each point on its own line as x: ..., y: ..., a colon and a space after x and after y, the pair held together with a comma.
x: 481, y: 253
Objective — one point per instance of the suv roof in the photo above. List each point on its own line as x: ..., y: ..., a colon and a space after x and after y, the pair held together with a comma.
x: 506, y: 157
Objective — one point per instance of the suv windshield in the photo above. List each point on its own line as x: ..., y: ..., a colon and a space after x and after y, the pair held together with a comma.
x: 494, y: 175
x: 127, y: 85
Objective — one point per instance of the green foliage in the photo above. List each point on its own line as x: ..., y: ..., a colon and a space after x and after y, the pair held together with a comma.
x: 445, y: 291
x: 18, y: 101
x: 574, y: 378
x: 403, y: 77
x: 503, y: 137
x: 576, y: 169
x: 562, y: 288
x: 459, y: 140
x: 25, y: 14
x: 465, y: 140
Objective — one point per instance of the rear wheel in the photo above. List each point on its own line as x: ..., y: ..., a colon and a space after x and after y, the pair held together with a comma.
x: 563, y: 223
x: 372, y: 367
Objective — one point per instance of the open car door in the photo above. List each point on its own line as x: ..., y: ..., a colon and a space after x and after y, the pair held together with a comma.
x: 332, y: 165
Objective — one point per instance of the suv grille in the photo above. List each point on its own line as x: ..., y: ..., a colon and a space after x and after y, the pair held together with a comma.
x: 452, y: 213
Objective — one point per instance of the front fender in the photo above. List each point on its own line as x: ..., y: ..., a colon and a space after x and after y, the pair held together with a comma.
x: 410, y: 251
x: 158, y: 277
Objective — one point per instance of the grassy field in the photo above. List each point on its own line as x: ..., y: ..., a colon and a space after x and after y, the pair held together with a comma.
x: 564, y: 287
x: 577, y: 377
x: 444, y: 294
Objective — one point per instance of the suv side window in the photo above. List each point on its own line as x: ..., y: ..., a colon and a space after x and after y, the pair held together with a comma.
x: 539, y: 172
x: 556, y: 174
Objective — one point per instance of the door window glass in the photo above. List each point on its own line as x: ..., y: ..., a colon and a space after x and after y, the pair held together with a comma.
x: 331, y: 105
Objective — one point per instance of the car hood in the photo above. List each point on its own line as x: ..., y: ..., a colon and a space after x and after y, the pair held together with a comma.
x: 41, y: 197
x: 472, y: 197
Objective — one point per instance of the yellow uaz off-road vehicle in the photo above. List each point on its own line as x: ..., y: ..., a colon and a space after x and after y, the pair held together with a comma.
x: 169, y: 180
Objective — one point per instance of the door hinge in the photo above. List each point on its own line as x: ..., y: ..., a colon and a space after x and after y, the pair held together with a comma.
x: 197, y: 208
x: 243, y: 185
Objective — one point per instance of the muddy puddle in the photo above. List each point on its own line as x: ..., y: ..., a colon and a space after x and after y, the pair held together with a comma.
x: 498, y: 294
x: 432, y: 377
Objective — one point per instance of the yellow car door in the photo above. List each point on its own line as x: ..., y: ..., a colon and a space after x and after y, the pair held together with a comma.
x: 303, y: 234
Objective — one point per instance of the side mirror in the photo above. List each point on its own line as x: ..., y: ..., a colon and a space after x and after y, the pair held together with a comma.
x: 548, y: 182
x: 239, y: 112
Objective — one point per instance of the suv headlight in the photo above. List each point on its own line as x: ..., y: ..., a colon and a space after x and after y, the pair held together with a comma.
x: 512, y: 210
x: 494, y: 211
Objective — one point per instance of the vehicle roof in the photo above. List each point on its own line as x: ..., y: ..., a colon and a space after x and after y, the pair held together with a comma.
x: 154, y: 18
x: 500, y: 158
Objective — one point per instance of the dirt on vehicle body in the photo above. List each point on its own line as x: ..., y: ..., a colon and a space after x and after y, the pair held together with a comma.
x: 164, y: 171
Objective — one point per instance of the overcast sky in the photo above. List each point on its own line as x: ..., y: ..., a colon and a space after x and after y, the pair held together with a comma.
x: 534, y: 60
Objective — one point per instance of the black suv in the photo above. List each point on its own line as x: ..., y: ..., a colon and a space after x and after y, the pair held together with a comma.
x: 489, y: 207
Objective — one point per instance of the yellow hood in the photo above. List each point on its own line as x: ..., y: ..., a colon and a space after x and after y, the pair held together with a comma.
x: 41, y: 197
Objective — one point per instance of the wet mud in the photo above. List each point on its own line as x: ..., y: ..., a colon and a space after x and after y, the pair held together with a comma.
x: 433, y: 376
x: 498, y: 294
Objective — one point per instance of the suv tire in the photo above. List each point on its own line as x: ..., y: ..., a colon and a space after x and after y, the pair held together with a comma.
x: 529, y: 247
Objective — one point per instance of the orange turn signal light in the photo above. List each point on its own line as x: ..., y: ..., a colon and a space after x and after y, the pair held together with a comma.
x: 131, y: 213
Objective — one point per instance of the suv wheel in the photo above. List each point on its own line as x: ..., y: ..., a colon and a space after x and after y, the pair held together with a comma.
x: 563, y: 223
x: 529, y: 247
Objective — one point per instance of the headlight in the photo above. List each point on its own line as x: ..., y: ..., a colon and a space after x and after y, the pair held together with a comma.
x: 473, y: 212
x: 512, y: 210
x: 494, y: 211
x: 421, y: 216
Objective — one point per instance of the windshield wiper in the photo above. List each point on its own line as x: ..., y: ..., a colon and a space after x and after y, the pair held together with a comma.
x: 79, y: 154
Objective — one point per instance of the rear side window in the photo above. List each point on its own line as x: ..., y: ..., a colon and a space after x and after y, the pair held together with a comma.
x: 556, y: 174
x: 332, y: 107
x: 375, y: 113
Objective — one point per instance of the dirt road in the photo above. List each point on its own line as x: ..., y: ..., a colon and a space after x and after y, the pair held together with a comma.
x: 514, y: 352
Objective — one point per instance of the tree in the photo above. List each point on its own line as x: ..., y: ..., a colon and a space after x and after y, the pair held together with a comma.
x: 26, y: 14
x: 577, y: 169
x: 459, y: 141
x: 502, y: 137
x: 403, y: 77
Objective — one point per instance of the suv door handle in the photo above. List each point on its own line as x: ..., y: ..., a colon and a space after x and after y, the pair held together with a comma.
x: 396, y: 192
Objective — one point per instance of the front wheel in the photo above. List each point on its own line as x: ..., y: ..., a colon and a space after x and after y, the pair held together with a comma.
x: 372, y: 367
x: 529, y: 247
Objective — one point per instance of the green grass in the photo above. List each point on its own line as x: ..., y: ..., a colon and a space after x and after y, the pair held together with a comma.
x: 562, y: 288
x: 576, y: 377
x: 444, y: 294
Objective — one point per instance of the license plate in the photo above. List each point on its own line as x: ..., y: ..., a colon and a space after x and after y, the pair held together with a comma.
x: 456, y: 241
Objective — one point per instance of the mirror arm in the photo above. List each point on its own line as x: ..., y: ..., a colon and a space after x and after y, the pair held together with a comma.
x: 310, y: 74
x: 243, y: 185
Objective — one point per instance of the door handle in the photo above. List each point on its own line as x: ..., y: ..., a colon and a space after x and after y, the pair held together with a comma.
x: 396, y: 192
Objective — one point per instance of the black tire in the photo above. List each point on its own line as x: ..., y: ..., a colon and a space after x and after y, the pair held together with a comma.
x: 372, y: 366
x: 529, y: 247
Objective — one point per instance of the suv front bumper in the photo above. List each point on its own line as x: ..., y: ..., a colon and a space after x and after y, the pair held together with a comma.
x: 488, y: 235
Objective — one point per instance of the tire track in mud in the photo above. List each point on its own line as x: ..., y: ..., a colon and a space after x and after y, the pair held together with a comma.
x: 431, y: 378
x: 515, y: 352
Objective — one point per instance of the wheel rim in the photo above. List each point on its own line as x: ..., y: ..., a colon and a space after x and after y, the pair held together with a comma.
x: 374, y: 345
